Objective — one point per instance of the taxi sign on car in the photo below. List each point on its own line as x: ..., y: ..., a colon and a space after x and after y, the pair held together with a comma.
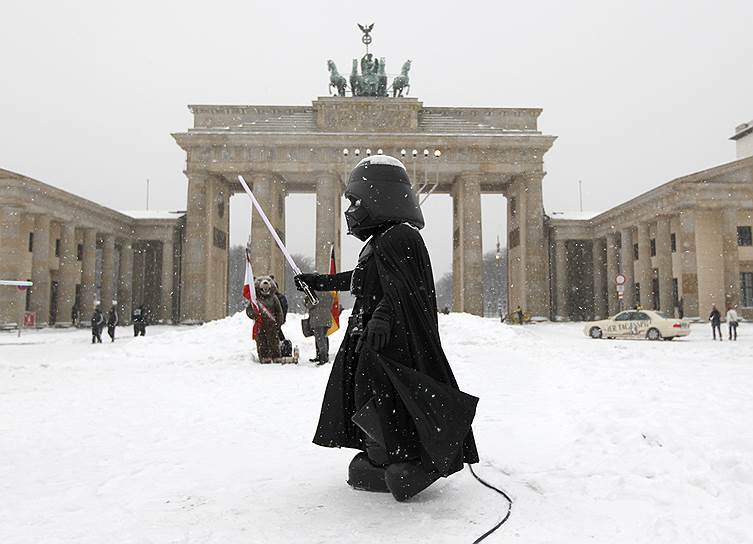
x: 638, y: 324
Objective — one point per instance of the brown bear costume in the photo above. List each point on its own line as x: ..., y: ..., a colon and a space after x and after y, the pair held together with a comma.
x: 268, y: 319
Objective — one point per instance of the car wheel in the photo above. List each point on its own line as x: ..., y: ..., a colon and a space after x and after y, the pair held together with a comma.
x: 653, y: 334
x: 595, y: 332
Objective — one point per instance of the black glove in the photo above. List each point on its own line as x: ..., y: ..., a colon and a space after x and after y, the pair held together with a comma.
x: 309, y: 279
x: 377, y: 333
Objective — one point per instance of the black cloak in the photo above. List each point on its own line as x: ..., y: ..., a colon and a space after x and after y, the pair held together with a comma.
x: 406, y: 395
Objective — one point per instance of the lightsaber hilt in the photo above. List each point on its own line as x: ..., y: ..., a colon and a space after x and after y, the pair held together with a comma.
x: 307, y: 291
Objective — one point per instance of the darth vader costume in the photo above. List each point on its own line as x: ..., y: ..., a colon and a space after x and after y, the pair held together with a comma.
x: 391, y: 392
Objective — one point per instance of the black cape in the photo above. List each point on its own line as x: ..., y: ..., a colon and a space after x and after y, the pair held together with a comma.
x: 406, y: 395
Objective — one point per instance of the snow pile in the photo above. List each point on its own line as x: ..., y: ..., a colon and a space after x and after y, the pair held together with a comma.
x: 180, y: 437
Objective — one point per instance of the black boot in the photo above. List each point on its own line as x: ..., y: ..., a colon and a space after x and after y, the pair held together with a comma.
x: 365, y: 475
x: 406, y: 480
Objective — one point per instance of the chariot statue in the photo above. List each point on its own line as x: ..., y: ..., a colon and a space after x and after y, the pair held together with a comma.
x: 371, y: 79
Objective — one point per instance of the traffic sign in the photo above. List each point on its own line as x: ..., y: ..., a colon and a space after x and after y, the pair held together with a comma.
x: 620, y: 279
x: 30, y: 319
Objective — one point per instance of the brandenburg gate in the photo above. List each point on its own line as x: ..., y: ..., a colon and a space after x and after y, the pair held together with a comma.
x: 281, y: 150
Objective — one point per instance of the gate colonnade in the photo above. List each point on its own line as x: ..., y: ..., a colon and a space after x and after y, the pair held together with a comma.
x: 281, y: 150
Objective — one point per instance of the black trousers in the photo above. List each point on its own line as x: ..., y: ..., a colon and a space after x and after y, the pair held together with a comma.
x: 733, y: 330
x: 322, y: 344
x: 716, y: 327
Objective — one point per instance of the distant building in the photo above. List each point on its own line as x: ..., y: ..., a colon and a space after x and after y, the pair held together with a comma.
x: 743, y: 138
x: 681, y: 247
x: 78, y: 253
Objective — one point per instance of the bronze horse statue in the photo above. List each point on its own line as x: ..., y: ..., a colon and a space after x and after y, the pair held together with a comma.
x: 401, y: 82
x: 335, y: 79
x: 355, y: 80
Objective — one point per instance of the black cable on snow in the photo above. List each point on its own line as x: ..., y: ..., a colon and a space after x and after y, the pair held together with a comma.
x: 501, y: 492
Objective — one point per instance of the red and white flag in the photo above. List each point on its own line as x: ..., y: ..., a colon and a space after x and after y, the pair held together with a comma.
x: 249, y: 292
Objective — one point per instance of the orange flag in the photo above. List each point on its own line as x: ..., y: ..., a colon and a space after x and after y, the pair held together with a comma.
x: 335, y: 309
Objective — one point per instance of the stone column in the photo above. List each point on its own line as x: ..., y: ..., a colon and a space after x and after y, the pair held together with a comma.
x: 12, y: 299
x: 600, y: 294
x: 107, y: 293
x: 534, y: 247
x: 167, y: 283
x: 125, y: 283
x: 261, y: 242
x: 40, y: 270
x: 88, y: 275
x: 689, y: 266
x: 560, y: 252
x: 731, y: 258
x: 628, y: 266
x: 467, y: 256
x: 612, y: 270
x: 664, y: 264
x: 67, y: 274
x: 195, y: 266
x: 645, y: 271
x: 327, y: 218
x: 457, y: 248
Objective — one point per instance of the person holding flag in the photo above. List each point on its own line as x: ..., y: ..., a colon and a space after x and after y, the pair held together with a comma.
x: 324, y: 317
x: 320, y: 321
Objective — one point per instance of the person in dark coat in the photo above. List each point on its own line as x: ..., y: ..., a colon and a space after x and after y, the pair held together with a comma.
x: 716, y: 321
x: 75, y: 315
x: 519, y: 315
x: 391, y: 392
x: 97, y: 321
x: 112, y: 322
x: 320, y: 320
x: 138, y: 318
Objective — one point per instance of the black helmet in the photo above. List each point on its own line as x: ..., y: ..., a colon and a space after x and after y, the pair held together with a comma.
x: 380, y: 194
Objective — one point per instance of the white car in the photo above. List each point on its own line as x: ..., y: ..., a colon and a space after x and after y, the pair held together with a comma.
x: 638, y: 324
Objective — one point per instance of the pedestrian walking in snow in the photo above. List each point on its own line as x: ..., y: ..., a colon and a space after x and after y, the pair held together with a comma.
x: 138, y: 317
x: 98, y: 321
x: 732, y: 321
x: 75, y: 315
x: 716, y: 322
x: 112, y: 322
x: 519, y: 315
x: 320, y: 320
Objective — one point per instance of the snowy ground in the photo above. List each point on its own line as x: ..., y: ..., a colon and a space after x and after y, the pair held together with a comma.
x: 179, y: 438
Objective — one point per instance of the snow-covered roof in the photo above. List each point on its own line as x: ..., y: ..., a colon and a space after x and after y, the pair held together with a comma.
x: 573, y: 216
x: 152, y: 214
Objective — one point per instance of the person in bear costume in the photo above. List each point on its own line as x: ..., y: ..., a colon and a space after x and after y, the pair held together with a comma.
x: 391, y: 392
x: 268, y: 319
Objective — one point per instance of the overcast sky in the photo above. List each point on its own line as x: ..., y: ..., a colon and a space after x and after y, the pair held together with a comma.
x: 637, y: 92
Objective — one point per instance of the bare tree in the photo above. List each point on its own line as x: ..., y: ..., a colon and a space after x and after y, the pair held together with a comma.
x: 493, y: 285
